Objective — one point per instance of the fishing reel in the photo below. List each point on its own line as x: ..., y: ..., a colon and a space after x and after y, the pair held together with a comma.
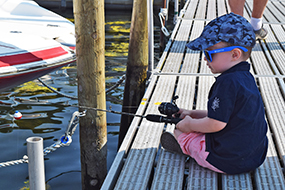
x: 169, y: 108
x: 166, y: 108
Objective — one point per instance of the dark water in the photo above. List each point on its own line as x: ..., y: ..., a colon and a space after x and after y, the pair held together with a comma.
x: 46, y: 115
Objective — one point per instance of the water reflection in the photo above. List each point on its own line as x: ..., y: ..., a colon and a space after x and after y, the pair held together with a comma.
x: 45, y: 114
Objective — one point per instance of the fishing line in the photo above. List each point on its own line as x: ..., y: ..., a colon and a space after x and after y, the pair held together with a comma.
x: 110, y: 111
x: 149, y: 117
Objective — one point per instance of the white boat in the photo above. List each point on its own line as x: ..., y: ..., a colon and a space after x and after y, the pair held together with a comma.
x: 27, y: 17
x: 33, y: 42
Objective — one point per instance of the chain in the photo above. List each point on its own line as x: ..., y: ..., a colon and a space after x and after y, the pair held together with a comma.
x: 66, y: 139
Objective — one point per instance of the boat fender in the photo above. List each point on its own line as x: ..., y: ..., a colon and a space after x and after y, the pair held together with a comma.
x: 17, y: 115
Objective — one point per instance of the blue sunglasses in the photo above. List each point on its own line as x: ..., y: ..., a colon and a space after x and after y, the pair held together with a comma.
x: 208, y: 53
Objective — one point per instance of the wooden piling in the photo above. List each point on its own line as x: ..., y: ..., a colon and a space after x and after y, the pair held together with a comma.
x: 90, y: 49
x: 137, y: 64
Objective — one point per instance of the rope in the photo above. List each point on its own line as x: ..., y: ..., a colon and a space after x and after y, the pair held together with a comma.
x: 118, y: 83
x: 65, y: 95
x: 65, y: 140
x: 15, y: 162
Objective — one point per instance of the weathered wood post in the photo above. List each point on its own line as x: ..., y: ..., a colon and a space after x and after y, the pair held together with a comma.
x: 90, y: 49
x: 137, y: 64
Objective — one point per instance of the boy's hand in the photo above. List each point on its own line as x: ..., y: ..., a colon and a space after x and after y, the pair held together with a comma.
x: 183, y: 125
x: 182, y: 113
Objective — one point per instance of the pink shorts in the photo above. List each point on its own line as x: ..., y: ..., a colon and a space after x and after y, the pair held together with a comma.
x: 194, y: 145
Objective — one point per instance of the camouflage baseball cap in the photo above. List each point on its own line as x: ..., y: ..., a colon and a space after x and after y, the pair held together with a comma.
x: 231, y: 28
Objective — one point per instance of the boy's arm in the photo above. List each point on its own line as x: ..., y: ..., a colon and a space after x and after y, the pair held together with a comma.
x: 197, y: 114
x: 203, y: 125
x: 192, y: 113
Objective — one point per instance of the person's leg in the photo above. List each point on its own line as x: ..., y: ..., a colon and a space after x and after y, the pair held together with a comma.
x: 257, y: 13
x: 258, y: 8
x: 177, y: 133
x: 194, y: 145
x: 237, y: 6
x: 256, y: 18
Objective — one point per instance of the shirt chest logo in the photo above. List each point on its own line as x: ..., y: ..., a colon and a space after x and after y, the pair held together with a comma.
x: 215, y: 104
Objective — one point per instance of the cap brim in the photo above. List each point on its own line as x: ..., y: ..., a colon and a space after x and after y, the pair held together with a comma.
x: 201, y: 43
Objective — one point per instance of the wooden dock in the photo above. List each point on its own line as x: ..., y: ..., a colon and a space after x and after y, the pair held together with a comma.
x: 141, y: 163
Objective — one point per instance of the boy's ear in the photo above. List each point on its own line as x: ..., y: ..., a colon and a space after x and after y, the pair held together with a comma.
x: 236, y: 54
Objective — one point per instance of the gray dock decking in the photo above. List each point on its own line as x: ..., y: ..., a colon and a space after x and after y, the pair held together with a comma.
x: 141, y: 163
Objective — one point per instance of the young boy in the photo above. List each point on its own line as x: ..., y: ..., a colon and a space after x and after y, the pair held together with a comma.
x: 230, y: 136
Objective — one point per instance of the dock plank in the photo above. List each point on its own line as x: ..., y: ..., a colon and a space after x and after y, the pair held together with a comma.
x: 146, y: 132
x: 201, y: 9
x: 280, y: 5
x: 170, y: 172
x: 222, y: 7
x: 190, y: 12
x: 275, y: 49
x: 141, y: 163
x: 275, y: 107
x: 137, y: 169
x: 271, y: 170
x: 269, y: 174
x: 165, y: 177
x: 240, y: 181
x: 201, y: 178
x: 211, y: 13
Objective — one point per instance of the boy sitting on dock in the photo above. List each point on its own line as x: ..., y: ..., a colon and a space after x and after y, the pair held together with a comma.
x: 230, y: 136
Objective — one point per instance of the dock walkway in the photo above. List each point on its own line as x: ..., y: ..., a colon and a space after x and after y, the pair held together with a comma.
x: 141, y: 163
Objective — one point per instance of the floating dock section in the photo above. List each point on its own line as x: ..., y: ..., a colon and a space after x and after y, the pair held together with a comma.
x: 141, y: 163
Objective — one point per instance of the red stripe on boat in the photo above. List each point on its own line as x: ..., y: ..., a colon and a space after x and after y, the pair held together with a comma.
x: 72, y: 47
x: 31, y: 56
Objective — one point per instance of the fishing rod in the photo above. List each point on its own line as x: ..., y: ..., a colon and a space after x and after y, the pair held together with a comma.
x: 166, y: 108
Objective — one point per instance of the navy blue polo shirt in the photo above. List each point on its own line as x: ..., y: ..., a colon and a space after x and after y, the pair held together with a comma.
x: 234, y: 99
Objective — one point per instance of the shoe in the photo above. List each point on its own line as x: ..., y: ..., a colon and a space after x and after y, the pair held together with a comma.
x: 169, y: 143
x: 261, y: 34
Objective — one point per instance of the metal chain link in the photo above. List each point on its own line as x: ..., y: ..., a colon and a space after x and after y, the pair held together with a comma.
x: 58, y: 144
x: 66, y: 139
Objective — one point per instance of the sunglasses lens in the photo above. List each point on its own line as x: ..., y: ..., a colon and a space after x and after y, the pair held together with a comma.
x: 207, y: 55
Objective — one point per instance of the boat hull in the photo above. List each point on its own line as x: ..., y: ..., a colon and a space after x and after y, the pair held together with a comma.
x: 25, y: 57
x: 8, y: 82
x: 33, y: 42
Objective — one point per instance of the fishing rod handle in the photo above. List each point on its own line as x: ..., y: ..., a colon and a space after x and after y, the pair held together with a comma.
x: 162, y: 119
